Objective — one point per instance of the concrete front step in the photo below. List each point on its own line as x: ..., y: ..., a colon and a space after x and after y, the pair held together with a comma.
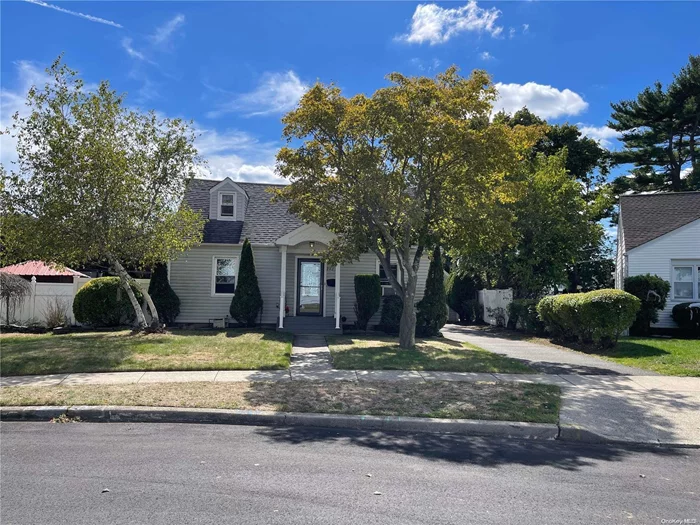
x: 310, y: 325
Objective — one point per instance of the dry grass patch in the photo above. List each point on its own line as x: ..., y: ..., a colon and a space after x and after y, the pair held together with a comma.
x: 373, y: 352
x: 28, y: 354
x: 443, y: 399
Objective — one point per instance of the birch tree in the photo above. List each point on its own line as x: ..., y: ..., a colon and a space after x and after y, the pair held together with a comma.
x: 96, y: 181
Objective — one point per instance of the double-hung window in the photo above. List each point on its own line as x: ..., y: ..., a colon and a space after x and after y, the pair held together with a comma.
x: 383, y: 277
x: 686, y: 281
x: 227, y: 206
x: 223, y: 280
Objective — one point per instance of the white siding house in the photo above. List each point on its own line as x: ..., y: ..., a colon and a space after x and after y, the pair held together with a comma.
x: 659, y: 234
x: 290, y: 272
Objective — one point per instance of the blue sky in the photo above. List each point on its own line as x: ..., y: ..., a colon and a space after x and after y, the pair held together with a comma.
x: 235, y: 67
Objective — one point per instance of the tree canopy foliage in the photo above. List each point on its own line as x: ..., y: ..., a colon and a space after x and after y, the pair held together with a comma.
x: 660, y: 129
x: 416, y: 165
x: 95, y: 180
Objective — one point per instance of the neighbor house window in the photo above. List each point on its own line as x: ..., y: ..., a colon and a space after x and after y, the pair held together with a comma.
x: 685, y: 282
x: 223, y: 275
x: 227, y: 206
x: 383, y: 277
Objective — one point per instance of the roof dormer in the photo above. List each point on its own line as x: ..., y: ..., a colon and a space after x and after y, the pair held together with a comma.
x: 227, y: 201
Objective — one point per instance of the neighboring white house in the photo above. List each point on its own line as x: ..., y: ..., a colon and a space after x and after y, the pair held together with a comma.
x: 660, y: 234
x: 317, y: 296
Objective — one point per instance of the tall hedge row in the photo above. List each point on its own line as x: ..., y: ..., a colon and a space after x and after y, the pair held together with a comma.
x: 599, y: 316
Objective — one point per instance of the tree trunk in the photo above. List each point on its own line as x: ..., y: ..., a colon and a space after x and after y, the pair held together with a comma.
x: 125, y: 279
x: 407, y: 328
x: 155, y: 319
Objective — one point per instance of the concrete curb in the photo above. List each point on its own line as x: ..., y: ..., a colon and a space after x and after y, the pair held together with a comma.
x: 506, y: 429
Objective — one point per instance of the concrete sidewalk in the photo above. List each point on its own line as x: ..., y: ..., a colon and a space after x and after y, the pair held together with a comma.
x: 543, y: 358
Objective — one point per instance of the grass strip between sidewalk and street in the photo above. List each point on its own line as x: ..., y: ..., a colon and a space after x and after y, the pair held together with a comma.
x: 122, y: 350
x: 525, y: 402
x: 374, y: 352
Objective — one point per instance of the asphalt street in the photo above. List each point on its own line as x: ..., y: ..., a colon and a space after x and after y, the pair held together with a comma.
x: 93, y: 473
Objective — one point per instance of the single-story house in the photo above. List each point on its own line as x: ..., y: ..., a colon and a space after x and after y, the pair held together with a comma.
x: 299, y: 291
x: 43, y: 272
x: 660, y: 234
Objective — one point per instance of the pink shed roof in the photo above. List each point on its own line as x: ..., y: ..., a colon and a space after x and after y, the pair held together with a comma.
x: 39, y: 268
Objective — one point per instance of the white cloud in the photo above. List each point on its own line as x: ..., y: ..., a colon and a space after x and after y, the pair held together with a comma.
x: 511, y: 32
x: 238, y: 155
x: 543, y: 101
x: 14, y: 101
x: 163, y: 33
x: 436, y: 25
x: 526, y: 28
x: 603, y: 134
x: 127, y: 44
x: 276, y: 93
x: 76, y: 13
x: 486, y: 56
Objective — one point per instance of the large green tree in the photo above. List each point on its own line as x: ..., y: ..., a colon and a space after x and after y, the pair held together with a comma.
x: 551, y: 232
x: 96, y: 181
x: 660, y: 129
x: 416, y: 165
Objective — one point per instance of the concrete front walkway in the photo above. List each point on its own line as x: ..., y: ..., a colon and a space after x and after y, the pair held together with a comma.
x: 543, y: 358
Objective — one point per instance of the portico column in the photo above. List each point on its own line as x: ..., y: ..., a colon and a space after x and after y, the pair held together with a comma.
x: 337, y: 296
x: 283, y: 283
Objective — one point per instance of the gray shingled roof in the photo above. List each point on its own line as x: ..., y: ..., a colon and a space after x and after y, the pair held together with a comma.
x: 646, y: 217
x: 265, y: 221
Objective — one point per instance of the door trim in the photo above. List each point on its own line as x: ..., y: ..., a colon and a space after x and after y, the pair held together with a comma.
x: 297, y: 283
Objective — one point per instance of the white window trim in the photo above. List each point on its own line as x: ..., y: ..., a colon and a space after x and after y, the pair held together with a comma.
x: 695, y: 265
x: 399, y: 272
x: 213, y: 274
x: 235, y: 206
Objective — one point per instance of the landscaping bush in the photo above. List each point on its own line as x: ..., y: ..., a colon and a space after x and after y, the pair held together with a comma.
x: 598, y: 316
x: 652, y: 291
x: 368, y: 293
x: 431, y: 310
x: 164, y: 297
x: 103, y: 302
x: 247, y: 303
x: 474, y: 311
x: 461, y: 293
x: 523, y: 312
x: 687, y: 319
x: 390, y: 320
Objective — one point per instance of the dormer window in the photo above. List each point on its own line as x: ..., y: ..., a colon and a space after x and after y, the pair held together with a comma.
x: 227, y: 206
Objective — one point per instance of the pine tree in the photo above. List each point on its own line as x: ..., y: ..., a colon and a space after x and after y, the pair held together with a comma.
x: 164, y: 297
x: 432, y: 309
x: 247, y: 303
x: 660, y: 134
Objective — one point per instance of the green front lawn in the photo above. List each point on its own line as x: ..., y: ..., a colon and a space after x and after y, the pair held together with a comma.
x: 28, y: 354
x: 373, y: 352
x: 443, y: 399
x: 672, y: 357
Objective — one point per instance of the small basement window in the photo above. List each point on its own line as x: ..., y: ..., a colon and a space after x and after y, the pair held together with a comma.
x: 227, y: 206
x: 223, y: 275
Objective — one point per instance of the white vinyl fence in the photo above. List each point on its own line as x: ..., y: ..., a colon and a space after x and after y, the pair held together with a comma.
x: 495, y: 304
x: 45, y: 296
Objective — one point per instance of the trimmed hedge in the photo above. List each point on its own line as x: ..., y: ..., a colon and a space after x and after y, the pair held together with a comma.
x: 103, y: 302
x: 687, y: 319
x: 652, y: 291
x: 247, y: 303
x: 164, y: 297
x: 523, y: 312
x: 599, y: 316
x: 368, y: 293
x: 392, y: 309
x: 431, y: 310
x: 461, y: 292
